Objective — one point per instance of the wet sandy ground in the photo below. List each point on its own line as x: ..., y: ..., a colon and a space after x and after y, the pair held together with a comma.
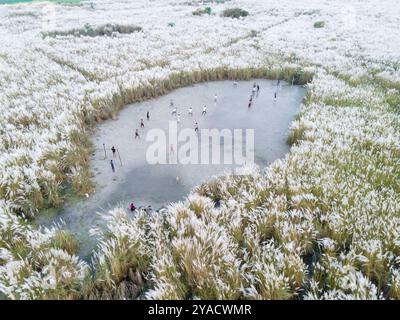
x: 156, y: 185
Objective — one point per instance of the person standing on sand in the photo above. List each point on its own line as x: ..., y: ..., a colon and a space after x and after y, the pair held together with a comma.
x: 148, y: 115
x: 258, y: 88
x: 137, y: 134
x: 112, y: 166
x: 174, y: 111
x: 178, y: 118
x: 275, y: 96
x: 141, y: 123
x: 215, y: 98
x: 204, y: 111
x: 190, y: 111
x: 113, y: 150
x: 196, y: 127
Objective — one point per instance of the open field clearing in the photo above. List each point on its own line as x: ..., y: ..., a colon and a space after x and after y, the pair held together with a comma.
x: 322, y: 222
x: 155, y: 185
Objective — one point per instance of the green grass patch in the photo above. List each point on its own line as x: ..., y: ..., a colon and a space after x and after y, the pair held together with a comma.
x: 201, y: 11
x: 91, y: 31
x: 319, y: 24
x: 235, y: 13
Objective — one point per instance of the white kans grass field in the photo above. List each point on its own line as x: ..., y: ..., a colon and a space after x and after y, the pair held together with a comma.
x: 322, y: 223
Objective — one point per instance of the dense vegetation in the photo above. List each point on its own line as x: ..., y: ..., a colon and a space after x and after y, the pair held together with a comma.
x: 235, y: 13
x: 322, y: 223
x: 89, y: 31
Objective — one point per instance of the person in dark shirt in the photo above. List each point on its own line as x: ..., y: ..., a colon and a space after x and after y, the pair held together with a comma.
x: 112, y: 166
